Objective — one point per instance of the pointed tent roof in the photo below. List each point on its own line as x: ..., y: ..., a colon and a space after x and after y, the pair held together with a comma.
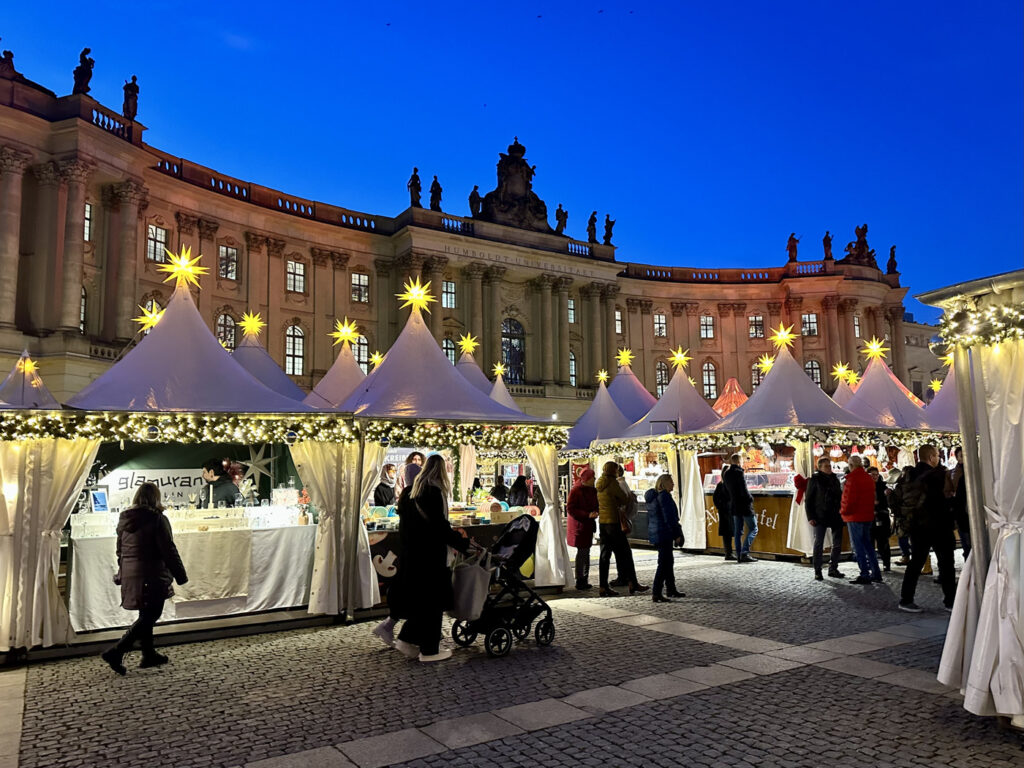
x: 631, y: 397
x: 24, y: 388
x: 680, y: 403
x: 339, y: 382
x: 468, y: 367
x: 843, y: 393
x: 251, y: 355
x: 732, y: 398
x: 416, y: 380
x: 180, y: 366
x: 942, y: 411
x: 602, y: 420
x: 500, y: 394
x: 786, y: 398
x: 882, y: 400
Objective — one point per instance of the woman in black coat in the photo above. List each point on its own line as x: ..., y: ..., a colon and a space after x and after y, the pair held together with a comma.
x: 148, y: 563
x: 519, y: 494
x: 425, y: 581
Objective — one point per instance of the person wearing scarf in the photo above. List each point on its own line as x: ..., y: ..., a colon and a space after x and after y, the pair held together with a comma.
x: 384, y: 493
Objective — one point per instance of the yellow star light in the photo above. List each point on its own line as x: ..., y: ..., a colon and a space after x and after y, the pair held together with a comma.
x: 679, y: 357
x: 874, y: 349
x: 468, y: 343
x: 376, y: 358
x: 28, y: 366
x: 947, y: 359
x: 225, y: 345
x: 765, y: 363
x: 841, y: 371
x: 251, y: 324
x: 624, y: 357
x: 182, y: 268
x: 935, y: 385
x: 415, y: 295
x: 783, y: 337
x: 853, y: 379
x: 498, y: 369
x: 148, y: 319
x: 344, y: 331
x: 693, y: 381
x: 602, y: 376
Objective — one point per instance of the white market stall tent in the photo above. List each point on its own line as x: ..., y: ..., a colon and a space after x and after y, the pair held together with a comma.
x: 251, y: 355
x: 500, y: 393
x: 843, y: 393
x: 342, y: 377
x: 23, y: 387
x: 468, y: 366
x: 942, y: 410
x: 627, y: 392
x: 602, y: 419
x: 882, y: 399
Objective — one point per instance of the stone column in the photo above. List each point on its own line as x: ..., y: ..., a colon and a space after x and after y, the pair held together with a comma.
x: 728, y: 331
x: 833, y: 340
x: 324, y: 311
x: 898, y: 343
x: 187, y: 227
x: 632, y: 326
x: 44, y: 287
x: 13, y: 163
x: 680, y: 337
x: 208, y: 234
x: 474, y: 274
x: 385, y: 303
x: 75, y: 173
x: 258, y: 277
x: 492, y: 325
x: 644, y: 326
x: 543, y: 285
x: 595, y: 354
x: 435, y: 267
x: 132, y: 197
x: 563, y: 284
x: 742, y: 336
x: 794, y: 308
x: 847, y: 308
x: 608, y: 296
x: 873, y: 315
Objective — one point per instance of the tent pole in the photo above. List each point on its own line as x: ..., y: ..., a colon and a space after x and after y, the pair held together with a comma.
x: 981, y: 546
x: 351, y: 559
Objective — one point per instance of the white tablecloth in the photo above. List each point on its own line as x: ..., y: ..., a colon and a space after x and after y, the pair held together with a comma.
x: 280, y: 567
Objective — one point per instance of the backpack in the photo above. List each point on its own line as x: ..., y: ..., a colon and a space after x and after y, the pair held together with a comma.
x: 909, y: 495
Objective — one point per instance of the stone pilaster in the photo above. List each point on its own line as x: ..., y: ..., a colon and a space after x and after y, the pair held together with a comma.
x: 75, y: 172
x: 680, y: 336
x: 474, y: 273
x: 833, y: 338
x: 794, y: 308
x: 435, y: 267
x: 543, y: 285
x: 492, y: 328
x: 562, y: 284
x: 385, y: 303
x: 13, y: 163
x: 595, y: 355
x: 847, y: 308
x: 44, y: 285
x: 898, y: 342
x: 132, y: 197
x: 609, y: 293
x: 693, y: 325
x: 736, y: 361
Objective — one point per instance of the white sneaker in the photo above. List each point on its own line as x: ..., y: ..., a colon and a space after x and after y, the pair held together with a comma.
x: 408, y: 650
x: 441, y: 655
x: 386, y: 632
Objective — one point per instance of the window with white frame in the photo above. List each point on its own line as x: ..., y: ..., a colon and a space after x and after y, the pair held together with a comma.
x: 755, y: 377
x: 755, y: 326
x: 661, y: 377
x: 295, y: 276
x: 448, y: 346
x: 360, y: 288
x: 82, y: 307
x: 227, y: 262
x: 448, y: 294
x: 572, y: 310
x: 707, y: 327
x: 156, y: 243
x: 660, y: 326
x: 618, y: 322
x: 709, y: 380
x: 87, y: 233
x: 809, y: 324
x: 294, y: 350
x: 856, y: 326
x: 361, y: 352
x: 226, y: 330
x: 572, y: 368
x: 813, y: 369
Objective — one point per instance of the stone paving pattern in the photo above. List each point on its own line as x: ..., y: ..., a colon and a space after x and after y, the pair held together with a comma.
x: 237, y: 701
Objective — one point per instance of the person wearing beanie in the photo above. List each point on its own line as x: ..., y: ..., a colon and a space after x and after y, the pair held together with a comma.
x: 582, y: 508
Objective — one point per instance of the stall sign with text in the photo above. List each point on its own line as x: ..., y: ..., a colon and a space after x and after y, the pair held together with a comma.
x: 175, y: 485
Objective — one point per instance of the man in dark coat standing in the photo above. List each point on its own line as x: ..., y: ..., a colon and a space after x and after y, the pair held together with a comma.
x: 720, y: 498
x: 742, y: 505
x: 821, y: 503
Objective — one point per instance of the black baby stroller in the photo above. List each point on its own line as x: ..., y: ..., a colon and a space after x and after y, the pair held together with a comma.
x: 508, y: 613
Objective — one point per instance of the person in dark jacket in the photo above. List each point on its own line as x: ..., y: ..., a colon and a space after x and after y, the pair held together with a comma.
x: 956, y: 492
x: 500, y: 490
x: 720, y: 498
x: 148, y: 563
x: 821, y: 504
x: 519, y: 493
x: 881, y: 531
x: 581, y: 525
x: 396, y: 608
x: 219, y: 486
x: 611, y: 507
x: 663, y: 531
x: 741, y: 503
x: 423, y: 573
x: 384, y: 493
x: 930, y: 523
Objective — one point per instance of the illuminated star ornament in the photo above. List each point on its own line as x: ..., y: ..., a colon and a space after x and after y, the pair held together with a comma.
x: 874, y: 349
x: 783, y: 337
x: 344, y: 331
x: 853, y: 378
x: 415, y: 295
x: 27, y: 365
x: 765, y: 363
x: 148, y: 319
x: 251, y: 324
x: 947, y: 359
x: 624, y: 357
x: 182, y: 268
x: 376, y: 359
x: 498, y: 369
x: 467, y: 343
x: 935, y: 385
x: 602, y: 376
x: 841, y: 371
x: 679, y: 357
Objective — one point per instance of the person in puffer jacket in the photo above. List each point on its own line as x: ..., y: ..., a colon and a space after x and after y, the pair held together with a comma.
x: 663, y: 531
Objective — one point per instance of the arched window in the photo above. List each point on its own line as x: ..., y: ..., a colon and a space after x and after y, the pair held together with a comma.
x: 82, y: 305
x: 151, y: 305
x: 813, y: 369
x: 449, y: 349
x: 294, y: 350
x: 572, y: 368
x: 226, y: 330
x: 709, y: 379
x: 755, y: 377
x: 513, y: 350
x: 361, y: 352
x: 660, y: 377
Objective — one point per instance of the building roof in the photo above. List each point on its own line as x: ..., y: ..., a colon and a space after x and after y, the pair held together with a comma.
x: 631, y: 397
x: 251, y: 355
x: 882, y: 399
x: 24, y: 388
x: 602, y: 420
x: 942, y: 411
x: 680, y: 403
x: 339, y: 382
x: 500, y: 394
x: 843, y: 393
x: 468, y: 367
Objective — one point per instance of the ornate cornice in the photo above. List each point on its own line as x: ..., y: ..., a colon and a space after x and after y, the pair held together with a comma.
x: 494, y: 274
x: 382, y: 267
x: 186, y: 222
x: 847, y: 305
x: 829, y: 302
x: 633, y: 306
x: 207, y: 229
x: 692, y: 308
x: 474, y: 270
x: 724, y: 310
x: 254, y: 242
x: 774, y: 307
x: 47, y: 173
x: 275, y: 247
x: 76, y: 170
x: 646, y: 305
x: 319, y: 256
x: 739, y: 308
x: 339, y: 260
x: 13, y: 160
x: 609, y: 291
x: 410, y: 262
x: 563, y: 284
x: 794, y: 303
x: 132, y: 193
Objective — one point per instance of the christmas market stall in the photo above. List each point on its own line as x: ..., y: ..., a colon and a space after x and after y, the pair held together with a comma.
x: 343, y: 376
x: 252, y: 356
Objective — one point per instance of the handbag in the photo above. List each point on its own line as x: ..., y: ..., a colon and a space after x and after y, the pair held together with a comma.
x: 471, y: 583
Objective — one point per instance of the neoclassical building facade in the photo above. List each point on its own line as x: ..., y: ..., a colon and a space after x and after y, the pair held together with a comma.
x: 87, y: 209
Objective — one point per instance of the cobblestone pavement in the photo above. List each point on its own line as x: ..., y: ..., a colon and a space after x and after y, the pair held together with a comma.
x: 802, y: 673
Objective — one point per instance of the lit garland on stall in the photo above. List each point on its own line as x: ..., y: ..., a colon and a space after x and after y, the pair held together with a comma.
x: 489, y: 437
x: 987, y: 326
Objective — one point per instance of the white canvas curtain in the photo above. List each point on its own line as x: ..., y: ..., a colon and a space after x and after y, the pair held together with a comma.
x: 40, y: 481
x: 551, y: 559
x: 685, y: 473
x: 467, y: 470
x: 800, y: 537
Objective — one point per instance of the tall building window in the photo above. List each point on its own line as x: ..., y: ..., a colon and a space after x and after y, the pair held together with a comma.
x: 227, y: 262
x: 156, y: 242
x: 82, y: 306
x: 151, y: 305
x: 707, y: 327
x: 755, y: 377
x: 448, y: 294
x: 294, y: 350
x: 449, y: 349
x: 295, y: 276
x: 856, y: 326
x: 226, y: 330
x: 709, y: 380
x: 813, y: 369
x: 572, y: 368
x: 572, y: 310
x: 660, y: 326
x: 618, y: 322
x: 360, y: 288
x: 809, y: 324
x: 513, y: 350
x: 87, y: 233
x: 660, y: 377
x: 361, y: 352
x: 755, y: 326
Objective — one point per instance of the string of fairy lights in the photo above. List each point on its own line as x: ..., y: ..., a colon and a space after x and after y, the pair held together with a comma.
x: 985, y: 326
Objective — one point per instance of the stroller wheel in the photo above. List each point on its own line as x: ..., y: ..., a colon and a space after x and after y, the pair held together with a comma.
x: 498, y: 642
x: 545, y: 632
x: 521, y: 631
x: 462, y: 635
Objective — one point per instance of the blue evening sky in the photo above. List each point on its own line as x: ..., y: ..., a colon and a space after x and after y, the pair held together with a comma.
x: 709, y: 131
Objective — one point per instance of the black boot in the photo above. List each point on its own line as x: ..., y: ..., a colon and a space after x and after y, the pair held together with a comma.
x: 153, y: 659
x: 115, y: 660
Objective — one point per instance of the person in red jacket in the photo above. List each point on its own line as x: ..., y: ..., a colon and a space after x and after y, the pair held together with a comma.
x: 858, y: 512
x: 582, y: 509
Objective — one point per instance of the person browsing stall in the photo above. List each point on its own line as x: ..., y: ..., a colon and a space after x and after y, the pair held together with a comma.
x: 822, y: 500
x: 582, y: 508
x: 219, y: 486
x: 663, y: 531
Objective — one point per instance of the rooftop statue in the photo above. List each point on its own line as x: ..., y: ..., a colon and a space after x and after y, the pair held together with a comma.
x: 826, y: 244
x: 435, y: 195
x: 413, y: 185
x: 858, y: 252
x: 83, y: 72
x: 592, y: 228
x: 791, y: 245
x: 890, y: 267
x: 131, y: 99
x: 609, y: 222
x: 7, y: 69
x: 561, y: 219
x: 514, y: 203
x: 475, y: 201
